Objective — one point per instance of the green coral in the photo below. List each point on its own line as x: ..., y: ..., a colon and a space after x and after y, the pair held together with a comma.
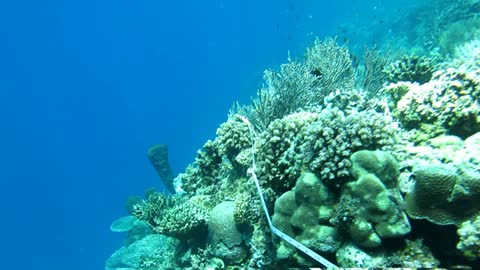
x: 304, y: 214
x: 378, y: 163
x: 444, y: 195
x: 173, y: 216
x: 410, y: 68
x: 469, y: 242
x: 378, y: 214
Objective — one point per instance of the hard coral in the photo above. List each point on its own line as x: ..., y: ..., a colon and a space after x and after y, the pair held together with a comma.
x: 469, y: 242
x: 172, y: 216
x: 276, y: 150
x: 448, y: 103
x: 326, y: 144
x: 304, y: 214
x: 443, y: 195
x: 378, y: 214
x: 410, y: 68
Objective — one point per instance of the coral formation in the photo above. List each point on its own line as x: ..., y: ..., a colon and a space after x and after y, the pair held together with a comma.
x: 153, y: 250
x: 449, y: 102
x: 377, y: 214
x: 224, y: 237
x: 444, y: 195
x: 334, y: 163
x: 172, y: 216
x: 123, y: 224
x: 469, y: 244
x: 326, y: 144
x: 410, y: 68
x: 304, y: 214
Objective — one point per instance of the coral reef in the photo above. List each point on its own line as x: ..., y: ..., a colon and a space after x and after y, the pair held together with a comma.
x: 448, y: 103
x: 151, y: 251
x: 348, y: 164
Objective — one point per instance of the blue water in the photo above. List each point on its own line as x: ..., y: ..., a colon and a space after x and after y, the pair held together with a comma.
x: 87, y: 86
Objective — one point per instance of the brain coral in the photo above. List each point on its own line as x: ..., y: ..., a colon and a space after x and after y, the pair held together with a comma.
x: 443, y: 195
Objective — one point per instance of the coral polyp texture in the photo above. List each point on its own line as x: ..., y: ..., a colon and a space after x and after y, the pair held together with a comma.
x: 469, y: 243
x: 359, y: 162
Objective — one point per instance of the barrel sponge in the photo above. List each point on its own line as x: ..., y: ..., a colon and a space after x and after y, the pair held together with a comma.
x: 158, y: 156
x: 444, y: 196
x: 379, y: 163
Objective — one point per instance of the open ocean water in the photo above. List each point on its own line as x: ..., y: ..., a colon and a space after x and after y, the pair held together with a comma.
x: 86, y: 87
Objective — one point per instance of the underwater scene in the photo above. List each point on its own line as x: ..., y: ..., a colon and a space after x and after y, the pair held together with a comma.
x: 362, y: 150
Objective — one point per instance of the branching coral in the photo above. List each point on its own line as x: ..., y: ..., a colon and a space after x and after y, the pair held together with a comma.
x: 172, y: 216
